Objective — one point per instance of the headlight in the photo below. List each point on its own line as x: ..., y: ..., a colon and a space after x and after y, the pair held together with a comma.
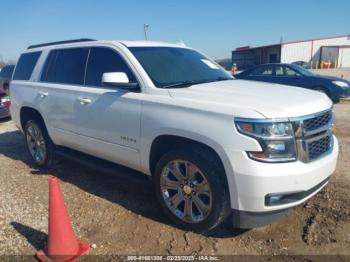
x: 340, y: 83
x: 276, y: 140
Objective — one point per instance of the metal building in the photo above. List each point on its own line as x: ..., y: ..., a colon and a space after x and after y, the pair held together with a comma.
x: 332, y: 52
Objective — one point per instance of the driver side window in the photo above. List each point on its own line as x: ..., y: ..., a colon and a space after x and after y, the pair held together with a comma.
x: 105, y: 60
x: 291, y: 73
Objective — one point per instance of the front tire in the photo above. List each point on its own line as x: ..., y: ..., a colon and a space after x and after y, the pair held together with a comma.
x: 190, y: 185
x: 39, y: 144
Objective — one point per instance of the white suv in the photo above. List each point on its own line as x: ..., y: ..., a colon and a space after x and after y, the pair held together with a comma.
x: 213, y: 145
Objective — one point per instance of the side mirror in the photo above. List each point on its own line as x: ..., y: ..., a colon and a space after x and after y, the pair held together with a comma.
x: 117, y: 79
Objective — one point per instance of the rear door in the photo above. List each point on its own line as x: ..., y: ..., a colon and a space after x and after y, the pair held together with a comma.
x: 63, y: 73
x: 108, y: 118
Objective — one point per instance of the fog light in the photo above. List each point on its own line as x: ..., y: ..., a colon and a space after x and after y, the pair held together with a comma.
x: 275, y: 199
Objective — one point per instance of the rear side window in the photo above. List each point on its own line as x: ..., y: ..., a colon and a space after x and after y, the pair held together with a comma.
x: 104, y: 60
x: 25, y: 66
x: 65, y: 66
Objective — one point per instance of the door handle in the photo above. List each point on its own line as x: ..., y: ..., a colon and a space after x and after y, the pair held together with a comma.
x: 84, y: 101
x: 43, y: 94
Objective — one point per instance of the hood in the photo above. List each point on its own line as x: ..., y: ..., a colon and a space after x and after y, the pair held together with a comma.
x: 331, y: 78
x: 269, y: 100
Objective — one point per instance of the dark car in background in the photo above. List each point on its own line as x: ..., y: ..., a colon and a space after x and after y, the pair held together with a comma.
x: 5, y: 78
x: 295, y: 75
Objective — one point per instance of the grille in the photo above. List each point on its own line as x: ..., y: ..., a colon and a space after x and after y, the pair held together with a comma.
x: 318, y: 121
x: 319, y: 147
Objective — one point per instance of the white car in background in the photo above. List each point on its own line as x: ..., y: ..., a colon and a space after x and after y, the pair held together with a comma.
x: 213, y: 145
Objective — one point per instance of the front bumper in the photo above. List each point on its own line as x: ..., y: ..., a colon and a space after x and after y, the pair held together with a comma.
x: 253, y: 181
x: 245, y: 219
x: 345, y: 93
x: 4, y: 112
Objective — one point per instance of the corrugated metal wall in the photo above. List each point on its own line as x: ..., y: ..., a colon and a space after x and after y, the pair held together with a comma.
x: 309, y: 51
x: 300, y: 51
x: 344, y: 57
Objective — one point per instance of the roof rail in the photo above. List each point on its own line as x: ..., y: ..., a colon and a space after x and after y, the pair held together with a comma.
x: 62, y: 42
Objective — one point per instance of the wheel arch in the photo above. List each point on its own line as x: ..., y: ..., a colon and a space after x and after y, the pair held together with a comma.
x: 164, y: 143
x: 29, y: 113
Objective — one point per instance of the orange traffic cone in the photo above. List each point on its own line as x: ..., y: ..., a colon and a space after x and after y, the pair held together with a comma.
x: 62, y: 242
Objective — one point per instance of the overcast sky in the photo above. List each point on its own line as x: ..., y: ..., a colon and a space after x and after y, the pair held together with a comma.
x: 213, y: 27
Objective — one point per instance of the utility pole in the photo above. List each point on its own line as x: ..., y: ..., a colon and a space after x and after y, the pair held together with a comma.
x: 145, y: 28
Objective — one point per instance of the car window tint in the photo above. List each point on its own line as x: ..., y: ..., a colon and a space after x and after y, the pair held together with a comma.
x: 171, y: 65
x: 279, y: 71
x: 48, y: 64
x: 66, y: 66
x: 262, y: 71
x: 25, y: 66
x: 290, y: 72
x: 104, y: 60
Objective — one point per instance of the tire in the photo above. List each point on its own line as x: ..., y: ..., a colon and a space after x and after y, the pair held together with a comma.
x: 44, y: 158
x: 203, y: 163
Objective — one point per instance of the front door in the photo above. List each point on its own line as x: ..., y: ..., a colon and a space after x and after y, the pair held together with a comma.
x: 286, y: 75
x: 108, y: 118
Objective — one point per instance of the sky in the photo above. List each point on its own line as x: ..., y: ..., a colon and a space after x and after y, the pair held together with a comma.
x: 213, y: 27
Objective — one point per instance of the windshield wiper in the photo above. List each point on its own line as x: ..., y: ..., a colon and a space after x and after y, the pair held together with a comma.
x: 188, y: 83
x: 184, y: 84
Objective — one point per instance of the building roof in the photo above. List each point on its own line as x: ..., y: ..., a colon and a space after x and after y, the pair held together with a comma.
x: 244, y: 48
x: 337, y: 46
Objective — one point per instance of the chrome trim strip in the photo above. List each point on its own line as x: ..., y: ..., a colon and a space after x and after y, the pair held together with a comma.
x: 260, y: 120
x: 242, y: 131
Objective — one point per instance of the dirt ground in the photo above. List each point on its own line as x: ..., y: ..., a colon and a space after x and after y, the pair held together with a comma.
x: 122, y: 218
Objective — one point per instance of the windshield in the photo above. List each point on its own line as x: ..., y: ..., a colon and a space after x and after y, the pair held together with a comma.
x: 304, y: 71
x: 175, y: 67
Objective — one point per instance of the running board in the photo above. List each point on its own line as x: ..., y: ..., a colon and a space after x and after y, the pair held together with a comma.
x: 103, y: 166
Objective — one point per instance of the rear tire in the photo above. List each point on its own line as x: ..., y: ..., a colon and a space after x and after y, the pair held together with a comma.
x: 38, y: 142
x: 200, y: 201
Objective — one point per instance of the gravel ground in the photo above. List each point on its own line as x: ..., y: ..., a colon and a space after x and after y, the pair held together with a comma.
x: 122, y: 218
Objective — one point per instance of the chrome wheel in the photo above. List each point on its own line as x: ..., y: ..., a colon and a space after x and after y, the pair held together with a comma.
x: 36, y: 143
x: 186, y: 191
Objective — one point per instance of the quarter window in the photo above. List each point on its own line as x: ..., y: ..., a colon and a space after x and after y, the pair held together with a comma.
x: 104, y: 60
x: 66, y: 66
x: 25, y: 66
